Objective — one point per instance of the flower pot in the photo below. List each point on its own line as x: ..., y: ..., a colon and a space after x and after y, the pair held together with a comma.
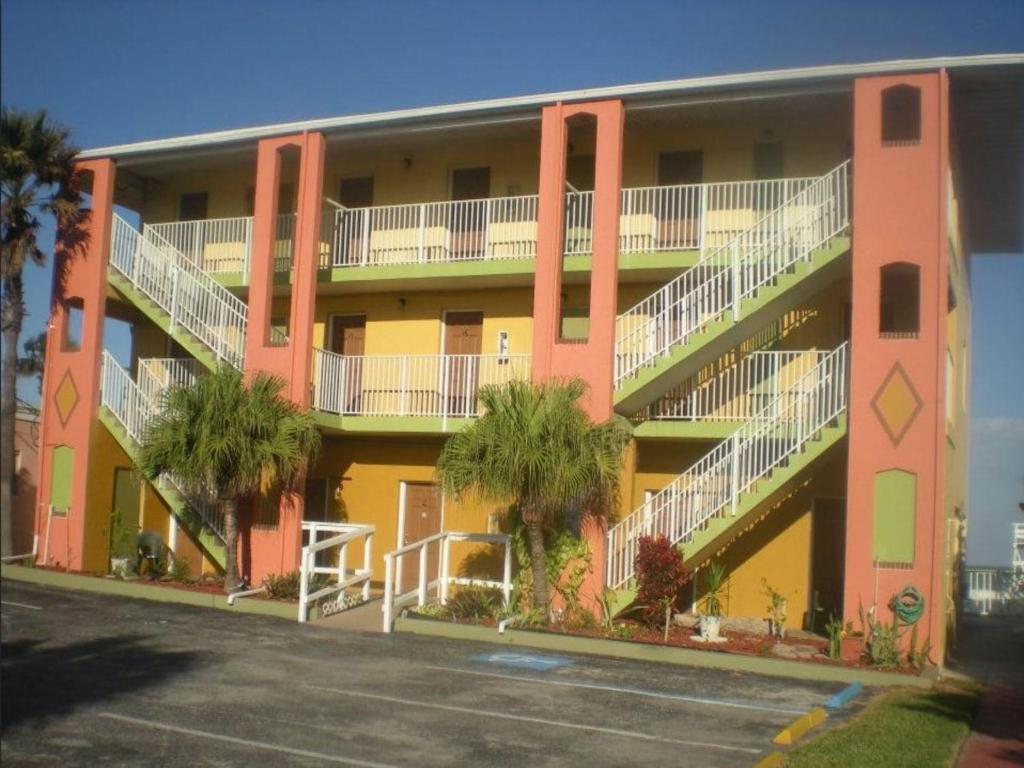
x: 709, y: 627
x: 120, y: 566
x: 851, y: 648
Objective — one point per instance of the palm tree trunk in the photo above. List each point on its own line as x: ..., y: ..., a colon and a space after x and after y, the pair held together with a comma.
x: 230, y: 506
x: 11, y: 312
x: 538, y: 567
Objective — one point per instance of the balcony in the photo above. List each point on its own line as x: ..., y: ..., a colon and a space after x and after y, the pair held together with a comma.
x: 406, y: 393
x: 685, y: 220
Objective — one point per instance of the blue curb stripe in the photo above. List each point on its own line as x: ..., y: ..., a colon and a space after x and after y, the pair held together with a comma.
x: 844, y: 697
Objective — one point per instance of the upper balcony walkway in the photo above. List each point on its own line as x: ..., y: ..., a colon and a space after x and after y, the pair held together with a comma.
x: 682, y: 219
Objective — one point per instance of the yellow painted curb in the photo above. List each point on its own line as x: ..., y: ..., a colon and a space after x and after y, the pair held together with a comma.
x: 800, y: 726
x: 773, y: 760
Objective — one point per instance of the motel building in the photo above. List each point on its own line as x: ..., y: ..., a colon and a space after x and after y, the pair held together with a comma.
x: 766, y: 273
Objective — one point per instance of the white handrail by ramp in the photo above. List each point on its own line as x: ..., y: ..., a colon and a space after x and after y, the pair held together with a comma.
x: 344, y: 533
x: 393, y: 571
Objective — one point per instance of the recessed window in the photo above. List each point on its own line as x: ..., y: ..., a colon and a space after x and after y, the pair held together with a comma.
x: 900, y: 301
x: 73, y: 320
x: 901, y: 116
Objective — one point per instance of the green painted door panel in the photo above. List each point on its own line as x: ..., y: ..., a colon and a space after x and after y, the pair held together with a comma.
x: 61, y: 475
x: 895, y: 501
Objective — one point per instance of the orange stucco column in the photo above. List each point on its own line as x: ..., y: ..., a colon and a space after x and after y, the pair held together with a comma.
x: 273, y: 546
x: 897, y: 392
x: 593, y: 359
x: 70, y: 397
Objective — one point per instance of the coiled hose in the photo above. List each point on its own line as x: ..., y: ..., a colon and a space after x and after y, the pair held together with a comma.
x: 908, y: 605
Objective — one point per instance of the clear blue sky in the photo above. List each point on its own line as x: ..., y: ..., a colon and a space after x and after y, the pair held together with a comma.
x: 127, y: 71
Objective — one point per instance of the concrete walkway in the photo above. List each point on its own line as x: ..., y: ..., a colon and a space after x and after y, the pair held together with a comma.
x: 993, y: 651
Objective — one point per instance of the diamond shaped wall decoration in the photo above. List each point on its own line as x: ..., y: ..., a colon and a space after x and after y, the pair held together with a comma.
x: 896, y: 403
x: 66, y: 398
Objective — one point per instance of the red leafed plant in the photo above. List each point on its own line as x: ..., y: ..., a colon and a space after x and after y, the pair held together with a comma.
x: 660, y: 575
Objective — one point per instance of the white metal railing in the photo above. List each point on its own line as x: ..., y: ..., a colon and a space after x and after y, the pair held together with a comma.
x: 772, y: 246
x: 712, y: 487
x: 393, y: 571
x: 190, y: 296
x: 445, y: 386
x: 737, y: 390
x: 658, y: 218
x: 155, y: 374
x: 988, y: 589
x: 133, y: 410
x: 224, y: 245
x: 332, y: 540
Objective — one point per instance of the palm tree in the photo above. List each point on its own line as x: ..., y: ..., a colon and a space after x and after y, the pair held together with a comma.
x: 37, y: 179
x: 535, y: 448
x: 232, y: 440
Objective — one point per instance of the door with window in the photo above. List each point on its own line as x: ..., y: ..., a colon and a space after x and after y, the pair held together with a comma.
x: 348, y: 338
x: 420, y: 515
x: 463, y: 339
x: 678, y: 212
x: 356, y: 194
x: 467, y: 224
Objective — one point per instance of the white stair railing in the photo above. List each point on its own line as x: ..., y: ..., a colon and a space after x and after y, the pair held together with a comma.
x: 395, y: 597
x: 133, y: 410
x: 191, y: 297
x: 771, y: 247
x: 714, y: 485
x: 444, y: 386
x: 155, y: 374
x: 736, y: 390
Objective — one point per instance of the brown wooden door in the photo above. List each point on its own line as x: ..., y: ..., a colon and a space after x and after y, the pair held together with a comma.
x: 422, y: 518
x: 828, y: 547
x: 354, y: 193
x: 348, y: 338
x: 467, y: 225
x: 679, y: 228
x: 463, y: 338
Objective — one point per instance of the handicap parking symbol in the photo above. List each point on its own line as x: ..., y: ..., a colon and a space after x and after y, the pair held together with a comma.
x: 526, y: 661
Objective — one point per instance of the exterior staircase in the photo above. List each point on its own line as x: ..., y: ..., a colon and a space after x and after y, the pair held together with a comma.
x: 787, y: 255
x: 125, y: 410
x: 740, y: 473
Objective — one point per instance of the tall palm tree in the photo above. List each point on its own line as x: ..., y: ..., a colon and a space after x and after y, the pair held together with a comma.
x: 535, y: 447
x: 231, y: 440
x: 37, y: 180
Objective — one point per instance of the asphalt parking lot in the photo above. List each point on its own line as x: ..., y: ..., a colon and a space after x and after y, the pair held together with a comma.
x: 97, y: 680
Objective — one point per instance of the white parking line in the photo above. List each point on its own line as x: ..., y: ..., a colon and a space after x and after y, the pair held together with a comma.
x: 621, y: 689
x: 245, y: 742
x: 20, y: 605
x: 535, y: 720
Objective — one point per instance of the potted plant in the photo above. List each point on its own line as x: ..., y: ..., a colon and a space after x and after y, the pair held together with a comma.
x: 711, y: 616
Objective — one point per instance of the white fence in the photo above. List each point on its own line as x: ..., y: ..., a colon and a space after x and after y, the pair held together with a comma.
x: 772, y: 246
x: 327, y: 554
x: 713, y: 486
x: 988, y: 589
x: 660, y: 218
x: 190, y: 296
x: 737, y: 390
x: 155, y: 374
x: 133, y: 410
x: 393, y: 562
x: 444, y: 386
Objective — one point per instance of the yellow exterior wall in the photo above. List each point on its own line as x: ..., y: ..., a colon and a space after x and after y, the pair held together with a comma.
x: 416, y: 327
x: 156, y: 516
x: 371, y: 471
x: 777, y: 547
x: 105, y: 455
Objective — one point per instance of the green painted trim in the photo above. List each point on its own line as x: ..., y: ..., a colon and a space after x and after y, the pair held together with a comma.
x: 666, y: 429
x: 630, y: 397
x: 895, y: 505
x: 109, y: 586
x: 62, y: 472
x: 422, y: 425
x: 210, y: 543
x: 160, y: 318
x: 705, y: 540
x: 625, y: 649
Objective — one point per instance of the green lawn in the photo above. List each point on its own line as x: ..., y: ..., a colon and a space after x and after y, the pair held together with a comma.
x: 903, y: 728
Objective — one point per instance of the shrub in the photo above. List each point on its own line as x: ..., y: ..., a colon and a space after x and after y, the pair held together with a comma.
x: 660, y: 574
x: 476, y: 603
x: 285, y: 586
x: 714, y: 585
x: 179, y: 570
x: 620, y: 630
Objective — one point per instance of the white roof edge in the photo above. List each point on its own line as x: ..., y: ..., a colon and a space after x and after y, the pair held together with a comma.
x: 831, y: 71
